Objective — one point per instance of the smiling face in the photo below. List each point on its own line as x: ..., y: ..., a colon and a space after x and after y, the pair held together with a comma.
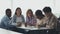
x: 18, y: 12
x: 29, y: 13
x: 8, y: 12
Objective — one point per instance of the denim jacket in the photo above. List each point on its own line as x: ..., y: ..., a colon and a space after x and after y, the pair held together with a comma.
x: 5, y: 22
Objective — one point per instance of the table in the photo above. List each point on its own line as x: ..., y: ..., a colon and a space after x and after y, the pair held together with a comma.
x: 33, y: 30
x: 42, y: 30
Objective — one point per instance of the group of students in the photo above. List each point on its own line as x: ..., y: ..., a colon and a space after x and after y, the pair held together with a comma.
x: 38, y: 20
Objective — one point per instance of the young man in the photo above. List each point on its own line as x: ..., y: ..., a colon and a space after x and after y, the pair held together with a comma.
x: 51, y: 20
x: 40, y: 19
x: 5, y: 22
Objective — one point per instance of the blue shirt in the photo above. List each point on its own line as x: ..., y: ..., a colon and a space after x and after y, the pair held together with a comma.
x: 5, y: 22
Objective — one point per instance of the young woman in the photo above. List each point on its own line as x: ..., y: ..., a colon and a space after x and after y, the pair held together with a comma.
x: 18, y: 17
x: 30, y: 19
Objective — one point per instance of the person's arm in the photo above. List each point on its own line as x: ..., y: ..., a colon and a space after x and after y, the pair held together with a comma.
x: 5, y: 24
x: 34, y: 21
x: 23, y: 18
x: 27, y: 20
x: 52, y: 23
x: 13, y: 21
x: 2, y: 24
x: 37, y: 23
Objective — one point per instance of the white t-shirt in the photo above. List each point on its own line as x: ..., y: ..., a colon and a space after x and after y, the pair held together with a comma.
x: 40, y: 22
x: 19, y: 19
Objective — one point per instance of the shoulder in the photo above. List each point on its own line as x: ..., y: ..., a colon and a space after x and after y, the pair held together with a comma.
x: 14, y: 15
x: 22, y: 15
x: 54, y: 17
x: 4, y: 18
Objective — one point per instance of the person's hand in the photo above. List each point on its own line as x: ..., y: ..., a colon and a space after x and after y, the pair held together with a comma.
x: 47, y: 26
x: 37, y: 25
x: 19, y: 24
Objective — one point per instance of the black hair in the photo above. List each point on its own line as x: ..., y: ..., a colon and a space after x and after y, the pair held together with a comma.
x: 47, y: 10
x: 39, y: 13
x: 7, y: 10
x: 17, y: 9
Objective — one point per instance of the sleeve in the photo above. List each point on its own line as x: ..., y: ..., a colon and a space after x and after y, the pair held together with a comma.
x: 4, y: 23
x: 27, y: 20
x: 53, y: 22
x: 23, y: 18
x: 13, y: 21
x: 34, y: 21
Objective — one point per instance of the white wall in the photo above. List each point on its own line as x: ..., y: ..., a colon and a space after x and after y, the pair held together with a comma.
x: 4, y: 4
x: 32, y: 4
x: 27, y: 4
x: 57, y: 8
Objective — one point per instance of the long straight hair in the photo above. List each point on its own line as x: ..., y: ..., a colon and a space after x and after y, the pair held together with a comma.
x: 17, y: 9
x: 28, y: 12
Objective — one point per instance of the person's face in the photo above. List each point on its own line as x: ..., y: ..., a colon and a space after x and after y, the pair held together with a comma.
x: 8, y: 13
x: 47, y: 14
x: 29, y: 13
x: 38, y: 17
x: 18, y: 12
